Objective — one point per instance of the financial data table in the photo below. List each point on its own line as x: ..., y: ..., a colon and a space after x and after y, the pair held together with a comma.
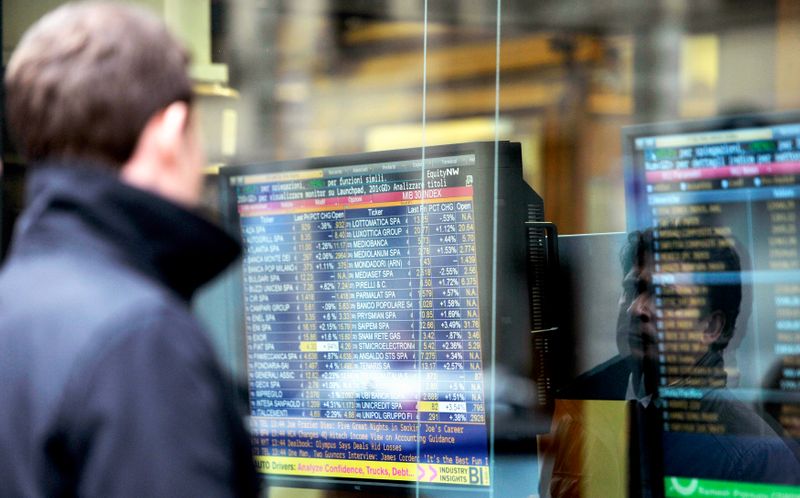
x: 363, y: 331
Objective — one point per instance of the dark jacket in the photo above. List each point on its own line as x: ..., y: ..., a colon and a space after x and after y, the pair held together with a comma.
x: 748, y: 450
x: 108, y: 385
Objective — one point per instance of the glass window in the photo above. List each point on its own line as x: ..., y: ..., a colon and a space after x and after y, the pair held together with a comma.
x: 405, y: 319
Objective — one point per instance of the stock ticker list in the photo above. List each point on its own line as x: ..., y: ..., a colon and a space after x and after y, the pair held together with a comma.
x: 738, y: 188
x: 363, y: 331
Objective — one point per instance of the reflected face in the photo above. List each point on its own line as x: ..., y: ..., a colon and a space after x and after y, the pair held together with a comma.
x: 685, y: 320
x: 636, y: 325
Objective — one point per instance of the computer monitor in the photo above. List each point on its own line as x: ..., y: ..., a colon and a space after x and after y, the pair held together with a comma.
x: 368, y: 291
x: 705, y: 186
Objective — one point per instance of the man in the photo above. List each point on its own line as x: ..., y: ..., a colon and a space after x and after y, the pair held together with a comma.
x: 109, y: 386
x: 704, y: 315
x: 681, y: 315
x: 680, y: 419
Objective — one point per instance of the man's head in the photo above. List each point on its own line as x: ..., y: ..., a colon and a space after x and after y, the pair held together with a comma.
x: 108, y: 83
x: 666, y: 289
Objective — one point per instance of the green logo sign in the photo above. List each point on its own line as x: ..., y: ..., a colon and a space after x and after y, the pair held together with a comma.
x: 687, y: 489
x: 679, y: 487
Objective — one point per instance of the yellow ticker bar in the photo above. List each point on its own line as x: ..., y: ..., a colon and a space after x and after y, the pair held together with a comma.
x: 464, y: 475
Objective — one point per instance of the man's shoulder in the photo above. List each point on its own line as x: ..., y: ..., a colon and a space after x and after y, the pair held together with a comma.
x: 606, y: 381
x: 57, y: 312
x: 64, y: 296
x: 65, y: 321
x: 77, y: 290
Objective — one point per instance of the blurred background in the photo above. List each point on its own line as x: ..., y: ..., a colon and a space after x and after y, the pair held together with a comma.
x: 293, y: 79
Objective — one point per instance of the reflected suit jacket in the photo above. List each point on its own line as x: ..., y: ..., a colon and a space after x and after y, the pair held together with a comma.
x: 586, y: 450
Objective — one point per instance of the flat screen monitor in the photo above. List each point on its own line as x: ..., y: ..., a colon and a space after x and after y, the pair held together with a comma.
x: 704, y: 186
x: 367, y: 296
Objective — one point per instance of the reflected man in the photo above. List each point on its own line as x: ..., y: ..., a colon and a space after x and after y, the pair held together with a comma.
x: 677, y: 316
x: 682, y: 294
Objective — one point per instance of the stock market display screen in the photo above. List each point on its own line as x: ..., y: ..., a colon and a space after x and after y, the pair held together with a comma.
x: 706, y: 191
x: 363, y: 333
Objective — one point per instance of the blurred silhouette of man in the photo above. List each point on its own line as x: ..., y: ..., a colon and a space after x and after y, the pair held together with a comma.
x: 110, y: 386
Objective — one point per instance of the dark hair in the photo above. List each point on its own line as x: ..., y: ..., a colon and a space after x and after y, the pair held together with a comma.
x: 722, y: 251
x: 85, y: 79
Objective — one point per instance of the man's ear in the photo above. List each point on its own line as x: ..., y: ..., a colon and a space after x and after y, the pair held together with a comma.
x: 713, y: 330
x: 156, y: 160
x: 168, y: 128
